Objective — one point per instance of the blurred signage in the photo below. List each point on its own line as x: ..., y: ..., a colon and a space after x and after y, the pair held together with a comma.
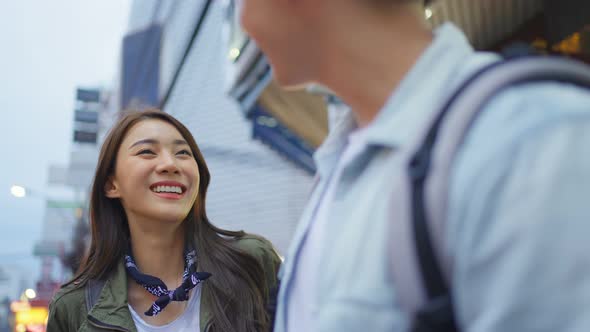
x: 32, y: 319
x: 85, y: 136
x: 141, y: 68
x: 64, y: 204
x: 86, y: 116
x: 88, y: 95
x: 16, y: 306
x: 45, y: 248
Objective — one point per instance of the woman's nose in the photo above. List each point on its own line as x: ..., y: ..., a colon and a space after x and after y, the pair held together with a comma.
x: 168, y: 164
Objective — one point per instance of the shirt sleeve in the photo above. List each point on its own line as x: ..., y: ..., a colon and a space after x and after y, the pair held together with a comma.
x: 521, y: 235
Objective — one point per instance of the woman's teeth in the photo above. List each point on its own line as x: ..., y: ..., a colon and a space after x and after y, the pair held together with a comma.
x: 167, y: 189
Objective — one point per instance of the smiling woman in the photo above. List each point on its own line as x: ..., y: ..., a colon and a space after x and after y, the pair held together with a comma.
x: 151, y: 236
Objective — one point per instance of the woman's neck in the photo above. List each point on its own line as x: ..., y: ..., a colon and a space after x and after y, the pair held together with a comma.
x: 159, y: 253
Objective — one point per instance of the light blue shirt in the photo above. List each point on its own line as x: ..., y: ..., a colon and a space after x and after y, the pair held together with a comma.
x: 518, y: 218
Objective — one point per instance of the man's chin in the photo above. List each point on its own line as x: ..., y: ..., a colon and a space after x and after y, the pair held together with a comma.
x: 290, y: 82
x: 296, y: 86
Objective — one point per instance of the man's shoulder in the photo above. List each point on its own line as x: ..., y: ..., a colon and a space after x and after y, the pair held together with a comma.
x: 539, y: 101
x: 522, y: 112
x: 519, y: 107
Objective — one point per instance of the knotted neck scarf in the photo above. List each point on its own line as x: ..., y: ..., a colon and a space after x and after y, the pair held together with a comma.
x: 190, y: 279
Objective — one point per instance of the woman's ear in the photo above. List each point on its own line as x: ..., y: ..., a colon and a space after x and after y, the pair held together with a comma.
x: 111, y: 190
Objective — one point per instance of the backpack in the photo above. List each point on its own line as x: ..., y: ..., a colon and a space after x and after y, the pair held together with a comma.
x: 438, y: 312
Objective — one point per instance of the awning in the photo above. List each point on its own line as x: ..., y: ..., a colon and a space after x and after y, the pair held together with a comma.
x: 487, y: 22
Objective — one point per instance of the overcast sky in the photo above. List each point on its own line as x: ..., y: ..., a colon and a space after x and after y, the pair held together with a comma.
x: 47, y: 49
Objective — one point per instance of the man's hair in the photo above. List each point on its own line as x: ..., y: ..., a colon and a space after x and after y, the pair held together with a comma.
x: 391, y: 2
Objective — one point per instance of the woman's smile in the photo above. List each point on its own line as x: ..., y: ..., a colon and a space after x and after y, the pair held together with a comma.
x: 168, y: 189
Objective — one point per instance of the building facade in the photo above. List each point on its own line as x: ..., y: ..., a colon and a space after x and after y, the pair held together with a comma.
x: 180, y: 48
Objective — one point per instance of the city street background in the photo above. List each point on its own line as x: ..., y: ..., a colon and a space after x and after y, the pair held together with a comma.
x: 49, y: 48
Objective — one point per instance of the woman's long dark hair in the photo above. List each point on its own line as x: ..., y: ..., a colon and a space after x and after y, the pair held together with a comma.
x: 236, y: 292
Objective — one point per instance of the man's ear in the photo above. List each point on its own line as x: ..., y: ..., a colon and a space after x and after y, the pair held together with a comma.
x: 111, y: 189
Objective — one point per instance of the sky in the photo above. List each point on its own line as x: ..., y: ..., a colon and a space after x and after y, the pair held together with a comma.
x: 47, y: 49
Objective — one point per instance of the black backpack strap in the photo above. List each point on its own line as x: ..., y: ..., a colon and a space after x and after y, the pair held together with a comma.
x: 92, y: 291
x: 470, y: 98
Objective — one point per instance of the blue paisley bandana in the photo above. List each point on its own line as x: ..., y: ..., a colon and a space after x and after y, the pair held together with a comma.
x: 190, y: 279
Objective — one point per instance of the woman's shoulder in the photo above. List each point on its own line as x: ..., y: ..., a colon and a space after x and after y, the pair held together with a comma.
x: 256, y: 245
x: 69, y: 295
x: 264, y: 251
x: 67, y: 306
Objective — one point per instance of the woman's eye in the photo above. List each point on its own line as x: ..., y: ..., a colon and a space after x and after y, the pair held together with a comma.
x: 145, y: 151
x: 185, y: 152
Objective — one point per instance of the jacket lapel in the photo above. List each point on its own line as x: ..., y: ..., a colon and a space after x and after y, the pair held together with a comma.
x: 111, y: 310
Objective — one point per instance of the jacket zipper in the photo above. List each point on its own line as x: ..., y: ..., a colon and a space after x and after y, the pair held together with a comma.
x: 99, y: 324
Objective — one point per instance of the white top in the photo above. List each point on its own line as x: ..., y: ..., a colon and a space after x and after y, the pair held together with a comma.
x: 302, y: 304
x: 188, y: 321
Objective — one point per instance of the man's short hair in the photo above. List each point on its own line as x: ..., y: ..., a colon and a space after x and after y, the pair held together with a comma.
x: 383, y: 2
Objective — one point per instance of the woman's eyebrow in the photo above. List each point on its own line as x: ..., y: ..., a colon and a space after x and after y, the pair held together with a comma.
x: 179, y: 142
x: 154, y: 141
x: 144, y: 141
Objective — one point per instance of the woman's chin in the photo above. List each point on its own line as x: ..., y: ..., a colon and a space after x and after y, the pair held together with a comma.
x: 170, y: 217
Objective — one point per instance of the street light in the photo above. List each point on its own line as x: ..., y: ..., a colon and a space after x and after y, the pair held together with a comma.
x: 18, y: 191
x: 59, y: 207
x: 21, y: 192
x: 428, y: 13
x: 30, y: 294
x: 72, y: 211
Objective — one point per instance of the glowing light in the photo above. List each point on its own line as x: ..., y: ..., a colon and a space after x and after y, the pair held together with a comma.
x: 18, y: 191
x: 30, y: 294
x: 234, y: 53
x: 17, y: 306
x: 428, y: 13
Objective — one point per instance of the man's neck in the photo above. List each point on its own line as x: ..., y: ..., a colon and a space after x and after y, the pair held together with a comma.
x: 365, y: 64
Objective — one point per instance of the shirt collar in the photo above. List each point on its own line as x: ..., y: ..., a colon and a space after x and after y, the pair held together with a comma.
x: 419, y: 94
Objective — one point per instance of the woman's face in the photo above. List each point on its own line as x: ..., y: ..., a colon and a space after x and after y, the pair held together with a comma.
x: 156, y: 176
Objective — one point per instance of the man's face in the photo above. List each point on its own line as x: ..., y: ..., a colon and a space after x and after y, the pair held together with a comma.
x: 282, y: 29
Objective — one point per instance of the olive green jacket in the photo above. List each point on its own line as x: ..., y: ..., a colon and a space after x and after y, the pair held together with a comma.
x: 68, y: 312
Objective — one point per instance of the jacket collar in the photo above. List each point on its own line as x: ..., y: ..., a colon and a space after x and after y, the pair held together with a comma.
x: 111, y: 309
